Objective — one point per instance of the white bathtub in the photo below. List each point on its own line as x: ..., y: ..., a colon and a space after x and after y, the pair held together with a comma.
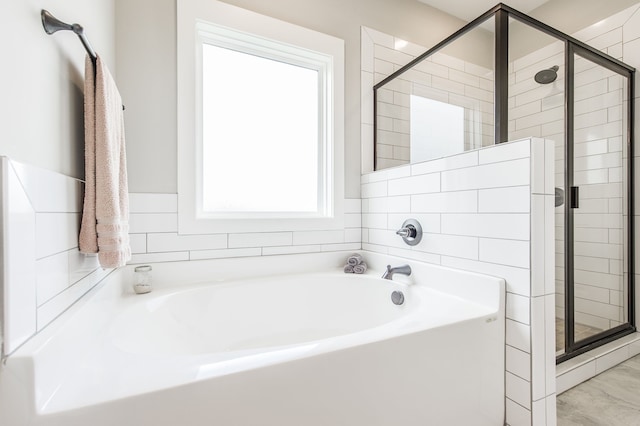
x: 301, y: 349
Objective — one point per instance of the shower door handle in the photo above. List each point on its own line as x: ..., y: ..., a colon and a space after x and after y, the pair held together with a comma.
x: 574, y: 197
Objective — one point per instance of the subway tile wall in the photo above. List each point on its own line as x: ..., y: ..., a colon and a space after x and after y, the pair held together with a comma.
x: 488, y: 211
x: 154, y: 235
x: 44, y: 273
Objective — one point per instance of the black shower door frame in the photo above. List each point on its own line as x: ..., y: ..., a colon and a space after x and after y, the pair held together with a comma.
x: 572, y: 347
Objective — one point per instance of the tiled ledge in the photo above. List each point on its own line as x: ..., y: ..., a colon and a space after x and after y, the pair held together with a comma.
x: 583, y: 367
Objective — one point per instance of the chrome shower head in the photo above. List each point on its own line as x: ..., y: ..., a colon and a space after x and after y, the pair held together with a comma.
x: 547, y: 76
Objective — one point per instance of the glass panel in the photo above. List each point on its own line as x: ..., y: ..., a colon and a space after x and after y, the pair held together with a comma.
x: 536, y: 101
x: 443, y: 105
x: 599, y: 173
x: 258, y: 115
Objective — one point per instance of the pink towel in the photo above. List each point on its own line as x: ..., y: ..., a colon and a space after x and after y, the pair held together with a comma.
x: 105, y: 217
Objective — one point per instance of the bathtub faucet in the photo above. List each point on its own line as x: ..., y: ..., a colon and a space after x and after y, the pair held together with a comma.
x: 404, y: 270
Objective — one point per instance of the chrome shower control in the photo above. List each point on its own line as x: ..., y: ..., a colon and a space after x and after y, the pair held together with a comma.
x: 411, y: 232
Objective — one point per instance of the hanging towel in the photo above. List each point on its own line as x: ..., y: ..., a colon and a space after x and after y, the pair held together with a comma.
x: 105, y: 217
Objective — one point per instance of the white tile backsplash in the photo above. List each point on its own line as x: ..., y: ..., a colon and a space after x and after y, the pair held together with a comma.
x: 81, y: 265
x: 480, y: 219
x: 539, y: 412
x: 19, y: 241
x: 518, y: 308
x: 463, y: 160
x: 374, y: 189
x: 204, y: 254
x: 517, y: 415
x: 173, y: 242
x: 52, y: 276
x: 518, y: 279
x: 318, y: 237
x: 56, y: 232
x: 487, y: 176
x: 268, y: 251
x: 49, y: 191
x: 44, y: 272
x: 538, y: 348
x: 518, y: 335
x: 260, y: 239
x: 518, y: 362
x: 167, y: 257
x: 515, y: 199
x: 493, y: 225
x: 448, y: 245
x: 505, y: 252
x: 505, y: 152
x: 138, y: 243
x: 155, y: 237
x: 519, y: 390
x: 420, y: 184
x: 58, y: 304
x: 454, y: 202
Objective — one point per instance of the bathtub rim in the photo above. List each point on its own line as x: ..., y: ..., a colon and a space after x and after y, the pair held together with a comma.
x: 53, y: 340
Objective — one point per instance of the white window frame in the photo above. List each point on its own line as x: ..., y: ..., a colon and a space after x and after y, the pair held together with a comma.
x: 224, y: 25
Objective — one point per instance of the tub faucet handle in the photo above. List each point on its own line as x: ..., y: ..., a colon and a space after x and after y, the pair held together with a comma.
x: 404, y: 270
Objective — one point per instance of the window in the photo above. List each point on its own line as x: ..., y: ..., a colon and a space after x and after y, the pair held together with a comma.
x: 267, y: 113
x: 265, y: 150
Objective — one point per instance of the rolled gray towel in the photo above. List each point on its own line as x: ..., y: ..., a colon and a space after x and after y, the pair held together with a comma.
x: 360, y: 268
x: 348, y: 269
x: 354, y: 259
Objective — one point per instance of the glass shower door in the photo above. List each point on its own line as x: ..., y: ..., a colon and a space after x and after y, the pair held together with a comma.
x: 597, y: 197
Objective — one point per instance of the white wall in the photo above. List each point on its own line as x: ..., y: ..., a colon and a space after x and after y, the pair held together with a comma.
x: 41, y: 80
x: 146, y: 69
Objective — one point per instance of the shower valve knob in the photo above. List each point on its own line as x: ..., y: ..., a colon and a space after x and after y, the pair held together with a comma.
x: 411, y: 232
x: 407, y: 232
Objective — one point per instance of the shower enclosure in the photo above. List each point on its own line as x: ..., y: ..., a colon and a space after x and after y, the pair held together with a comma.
x: 506, y: 76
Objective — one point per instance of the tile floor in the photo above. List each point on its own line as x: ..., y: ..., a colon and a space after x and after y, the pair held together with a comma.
x: 609, y: 399
x: 582, y: 331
